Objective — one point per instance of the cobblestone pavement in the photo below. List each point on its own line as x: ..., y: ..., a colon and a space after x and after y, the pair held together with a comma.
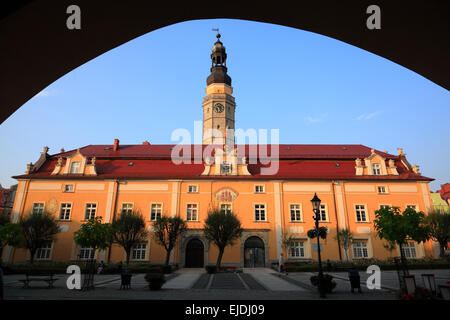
x: 258, y: 284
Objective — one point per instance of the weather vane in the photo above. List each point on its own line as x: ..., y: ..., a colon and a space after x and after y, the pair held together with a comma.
x: 218, y: 34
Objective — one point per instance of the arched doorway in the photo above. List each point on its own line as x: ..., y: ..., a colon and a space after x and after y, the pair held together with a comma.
x: 194, y: 254
x: 254, y: 255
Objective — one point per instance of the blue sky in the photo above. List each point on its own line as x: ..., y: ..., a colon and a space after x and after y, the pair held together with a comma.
x: 314, y: 89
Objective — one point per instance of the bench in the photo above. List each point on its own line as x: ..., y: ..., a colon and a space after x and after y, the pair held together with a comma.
x: 38, y: 276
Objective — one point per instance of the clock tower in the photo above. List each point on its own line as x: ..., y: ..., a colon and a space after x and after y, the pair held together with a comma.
x: 218, y: 105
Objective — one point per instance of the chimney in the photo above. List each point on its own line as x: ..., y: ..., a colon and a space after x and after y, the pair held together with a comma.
x: 116, y: 145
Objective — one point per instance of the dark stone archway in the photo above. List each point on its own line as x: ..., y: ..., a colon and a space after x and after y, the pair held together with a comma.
x: 194, y: 254
x: 37, y: 48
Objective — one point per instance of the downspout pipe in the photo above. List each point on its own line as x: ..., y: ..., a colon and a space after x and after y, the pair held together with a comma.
x: 337, y: 221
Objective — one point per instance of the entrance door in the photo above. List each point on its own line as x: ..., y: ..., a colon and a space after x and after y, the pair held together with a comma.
x: 194, y: 254
x: 254, y: 255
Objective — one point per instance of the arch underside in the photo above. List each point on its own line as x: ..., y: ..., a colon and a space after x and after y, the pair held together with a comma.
x: 37, y: 48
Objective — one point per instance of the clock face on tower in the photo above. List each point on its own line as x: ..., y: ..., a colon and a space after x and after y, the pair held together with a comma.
x: 218, y: 108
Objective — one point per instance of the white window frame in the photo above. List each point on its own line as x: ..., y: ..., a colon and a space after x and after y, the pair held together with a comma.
x: 366, y: 212
x: 65, y: 218
x: 224, y: 165
x: 88, y: 253
x: 33, y: 209
x: 325, y: 208
x: 298, y: 248
x: 381, y: 205
x: 72, y: 167
x: 262, y: 186
x: 158, y: 210
x: 128, y: 210
x: 90, y: 210
x: 376, y: 169
x: 416, y: 207
x: 383, y: 192
x: 189, y: 212
x: 194, y: 186
x: 258, y: 211
x: 299, y: 208
x: 228, y: 205
x: 46, y: 251
x: 70, y: 190
x: 360, y: 251
x: 139, y: 252
x: 407, y: 250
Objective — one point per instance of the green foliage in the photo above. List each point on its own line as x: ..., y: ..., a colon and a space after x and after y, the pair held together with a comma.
x: 155, y: 280
x: 439, y: 224
x: 322, y: 233
x: 94, y: 234
x: 166, y: 231
x: 129, y: 231
x: 10, y: 235
x: 222, y: 229
x: 398, y: 228
x: 37, y: 230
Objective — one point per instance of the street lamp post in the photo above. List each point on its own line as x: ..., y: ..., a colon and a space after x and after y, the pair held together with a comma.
x: 316, y: 208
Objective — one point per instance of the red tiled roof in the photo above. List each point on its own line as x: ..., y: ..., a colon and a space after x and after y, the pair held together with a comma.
x: 296, y: 162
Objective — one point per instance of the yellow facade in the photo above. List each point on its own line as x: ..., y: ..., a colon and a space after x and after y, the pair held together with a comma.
x: 340, y: 199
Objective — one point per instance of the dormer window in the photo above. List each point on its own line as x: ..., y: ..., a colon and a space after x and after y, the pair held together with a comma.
x: 376, y: 169
x: 75, y: 167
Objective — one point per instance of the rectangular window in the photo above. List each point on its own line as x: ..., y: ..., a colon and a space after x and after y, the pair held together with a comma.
x: 376, y: 169
x: 43, y: 253
x: 156, y: 211
x: 91, y: 210
x: 260, y: 212
x: 384, y: 206
x: 138, y: 252
x: 64, y: 213
x: 360, y: 249
x: 75, y: 167
x: 409, y: 250
x: 192, y: 212
x: 225, y: 207
x: 296, y: 212
x: 297, y: 249
x: 127, y: 207
x: 381, y: 189
x: 259, y: 188
x: 86, y: 253
x: 68, y: 188
x: 192, y: 189
x: 323, y: 214
x: 411, y: 206
x: 38, y: 207
x: 361, y: 215
x: 225, y: 168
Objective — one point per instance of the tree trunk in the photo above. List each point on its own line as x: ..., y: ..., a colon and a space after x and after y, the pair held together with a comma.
x: 219, y: 258
x: 441, y: 251
x: 128, y: 255
x: 167, y: 257
x: 32, y: 253
x: 403, y: 259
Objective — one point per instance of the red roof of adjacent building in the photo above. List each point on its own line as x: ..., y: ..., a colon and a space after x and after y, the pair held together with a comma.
x: 295, y: 162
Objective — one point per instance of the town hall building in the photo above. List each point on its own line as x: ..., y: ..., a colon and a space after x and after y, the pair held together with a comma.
x: 353, y: 181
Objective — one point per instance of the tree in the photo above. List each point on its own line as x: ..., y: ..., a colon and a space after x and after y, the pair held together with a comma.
x: 38, y: 229
x: 439, y: 224
x: 10, y: 235
x: 129, y: 231
x: 287, y: 240
x: 223, y: 229
x: 398, y: 228
x: 167, y: 230
x: 345, y: 236
x: 94, y: 234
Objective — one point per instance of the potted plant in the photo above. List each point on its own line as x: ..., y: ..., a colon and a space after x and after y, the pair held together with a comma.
x: 328, y: 282
x: 210, y: 269
x: 155, y: 280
